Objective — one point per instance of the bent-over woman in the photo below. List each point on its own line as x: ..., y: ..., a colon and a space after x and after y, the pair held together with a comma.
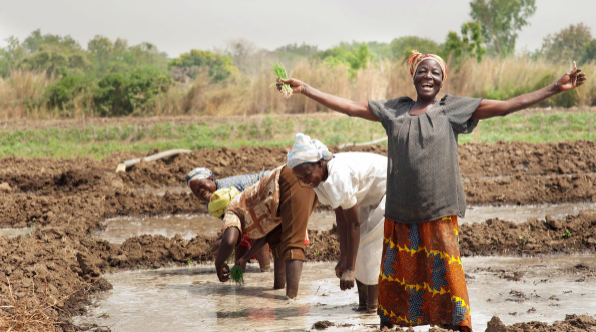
x: 203, y: 184
x: 276, y: 209
x: 421, y: 278
x: 353, y: 184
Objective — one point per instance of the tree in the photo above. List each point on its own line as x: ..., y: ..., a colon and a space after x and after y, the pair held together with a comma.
x: 590, y: 52
x: 470, y: 44
x: 355, y: 57
x: 501, y: 21
x: 240, y: 51
x: 10, y: 55
x: 304, y: 49
x: 569, y: 43
x: 220, y: 67
x: 401, y: 48
x: 56, y: 54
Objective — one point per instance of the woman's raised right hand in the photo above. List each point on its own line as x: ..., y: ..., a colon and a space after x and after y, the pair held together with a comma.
x: 297, y: 85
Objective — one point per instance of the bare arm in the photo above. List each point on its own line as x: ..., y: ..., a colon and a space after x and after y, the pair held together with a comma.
x: 228, y: 243
x: 492, y: 108
x: 352, y: 108
x: 256, y: 246
x: 352, y: 244
x: 340, y: 219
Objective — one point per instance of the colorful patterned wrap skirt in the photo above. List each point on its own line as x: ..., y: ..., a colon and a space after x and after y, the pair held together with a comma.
x: 422, y: 280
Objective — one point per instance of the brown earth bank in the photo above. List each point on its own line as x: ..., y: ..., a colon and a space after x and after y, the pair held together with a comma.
x: 47, y: 175
x: 59, y: 265
x: 572, y: 323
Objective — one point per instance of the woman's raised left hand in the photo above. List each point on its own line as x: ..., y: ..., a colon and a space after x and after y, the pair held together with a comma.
x: 571, y: 80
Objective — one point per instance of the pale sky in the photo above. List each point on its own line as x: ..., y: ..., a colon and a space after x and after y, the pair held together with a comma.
x: 176, y: 26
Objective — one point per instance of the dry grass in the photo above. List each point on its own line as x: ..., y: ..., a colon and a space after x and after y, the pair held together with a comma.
x: 29, y: 313
x: 21, y: 94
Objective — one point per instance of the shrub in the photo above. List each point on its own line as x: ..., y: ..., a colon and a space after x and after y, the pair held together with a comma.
x: 122, y: 94
x: 61, y: 95
x: 220, y: 67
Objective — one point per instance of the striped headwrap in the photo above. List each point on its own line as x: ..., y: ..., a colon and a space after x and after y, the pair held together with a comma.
x: 416, y: 58
x: 199, y: 173
x: 306, y: 150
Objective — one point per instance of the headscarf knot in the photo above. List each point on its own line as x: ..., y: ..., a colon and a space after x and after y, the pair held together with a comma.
x: 306, y: 150
x: 416, y: 58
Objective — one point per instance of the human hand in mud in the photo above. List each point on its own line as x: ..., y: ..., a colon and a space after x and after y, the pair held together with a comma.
x: 572, y: 79
x: 340, y: 267
x: 223, y: 272
x: 215, y: 247
x: 347, y: 280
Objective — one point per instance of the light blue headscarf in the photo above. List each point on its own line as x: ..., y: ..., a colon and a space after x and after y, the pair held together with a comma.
x: 199, y: 173
x: 306, y: 150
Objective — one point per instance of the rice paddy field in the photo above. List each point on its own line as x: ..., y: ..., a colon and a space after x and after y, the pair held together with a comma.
x: 83, y: 248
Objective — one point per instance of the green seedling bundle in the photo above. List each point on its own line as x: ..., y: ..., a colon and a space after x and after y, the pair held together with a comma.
x: 237, y: 275
x: 281, y: 72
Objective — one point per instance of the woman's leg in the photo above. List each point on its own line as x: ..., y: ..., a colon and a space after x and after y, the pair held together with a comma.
x: 293, y: 273
x: 263, y: 258
x: 373, y: 298
x: 279, y: 273
x: 362, y: 296
x: 295, y: 206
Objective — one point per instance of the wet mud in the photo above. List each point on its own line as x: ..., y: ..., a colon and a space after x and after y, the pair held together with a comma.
x: 184, y: 299
x: 65, y: 202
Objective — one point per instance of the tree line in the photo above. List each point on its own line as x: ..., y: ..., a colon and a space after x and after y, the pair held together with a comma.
x: 113, y: 78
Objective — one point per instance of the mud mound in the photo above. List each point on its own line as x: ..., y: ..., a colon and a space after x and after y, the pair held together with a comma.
x: 572, y: 323
x: 497, y: 237
x: 530, y: 189
x: 476, y: 159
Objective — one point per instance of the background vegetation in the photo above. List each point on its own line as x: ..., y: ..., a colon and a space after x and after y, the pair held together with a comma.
x: 100, y: 141
x: 51, y: 76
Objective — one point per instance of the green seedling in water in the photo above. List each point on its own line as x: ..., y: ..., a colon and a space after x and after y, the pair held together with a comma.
x: 567, y: 234
x: 281, y: 72
x: 188, y: 261
x: 237, y: 275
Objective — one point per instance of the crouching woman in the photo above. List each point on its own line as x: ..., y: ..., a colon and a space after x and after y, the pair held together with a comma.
x: 276, y: 208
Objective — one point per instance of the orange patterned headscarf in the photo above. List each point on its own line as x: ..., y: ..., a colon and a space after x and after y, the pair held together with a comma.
x: 416, y: 58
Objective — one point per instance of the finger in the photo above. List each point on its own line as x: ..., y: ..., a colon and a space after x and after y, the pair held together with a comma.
x: 342, y: 285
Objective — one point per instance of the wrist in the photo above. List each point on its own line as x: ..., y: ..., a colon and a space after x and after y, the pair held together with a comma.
x: 556, y: 88
x: 306, y: 89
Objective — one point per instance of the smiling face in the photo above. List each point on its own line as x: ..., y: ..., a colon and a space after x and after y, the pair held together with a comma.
x: 428, y: 79
x: 310, y: 174
x: 203, y: 189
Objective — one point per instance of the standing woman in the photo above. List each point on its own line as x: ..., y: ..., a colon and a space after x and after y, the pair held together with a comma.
x: 353, y: 184
x: 421, y: 279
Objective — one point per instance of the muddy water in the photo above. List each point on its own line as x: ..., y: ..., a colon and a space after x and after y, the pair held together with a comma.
x: 522, y: 213
x: 14, y: 232
x: 191, y: 299
x: 119, y: 229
